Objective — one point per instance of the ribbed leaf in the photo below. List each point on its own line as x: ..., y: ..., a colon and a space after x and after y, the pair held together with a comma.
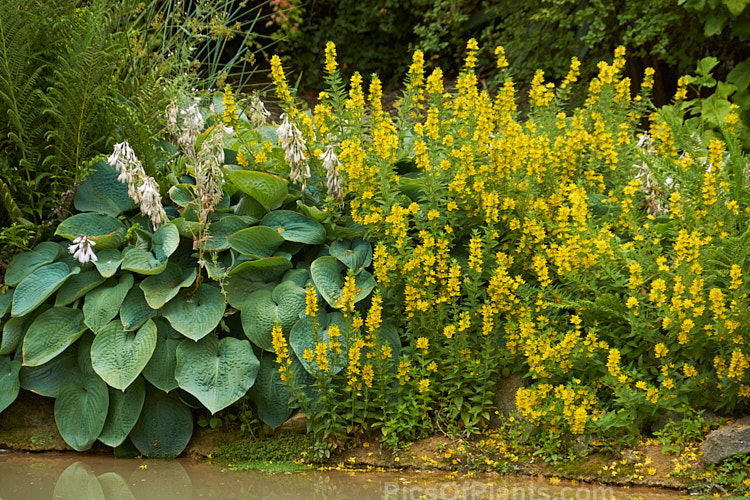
x: 9, y: 383
x: 142, y: 261
x: 103, y: 303
x: 354, y: 254
x: 134, y: 310
x: 124, y: 409
x: 51, y: 333
x: 269, y: 393
x: 195, y: 314
x: 108, y: 262
x: 219, y: 231
x: 161, y: 367
x: 38, y: 286
x: 256, y: 242
x: 26, y: 263
x: 47, y: 379
x: 326, y: 275
x: 293, y: 226
x: 267, y: 270
x: 77, y: 286
x: 217, y: 372
x: 166, y: 240
x: 101, y: 192
x: 304, y: 336
x: 161, y: 288
x: 119, y: 356
x: 264, y: 309
x: 164, y: 428
x: 105, y: 230
x: 80, y: 411
x: 268, y: 189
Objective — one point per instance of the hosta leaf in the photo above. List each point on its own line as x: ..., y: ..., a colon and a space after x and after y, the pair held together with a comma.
x: 161, y: 367
x: 182, y: 194
x: 47, y: 379
x: 78, y: 481
x: 119, y: 356
x: 38, y: 286
x: 6, y: 299
x: 13, y: 332
x: 101, y: 192
x: 26, y: 263
x: 105, y: 230
x: 219, y: 231
x: 269, y: 393
x: 195, y: 313
x: 77, y: 286
x: 161, y: 288
x: 293, y: 226
x: 124, y: 409
x: 268, y: 269
x: 103, y: 303
x: 142, y: 261
x: 51, y: 333
x: 134, y: 310
x: 166, y: 240
x: 217, y: 372
x: 354, y: 254
x: 9, y: 383
x: 80, y: 411
x: 238, y: 289
x: 326, y: 275
x: 108, y: 262
x: 268, y: 189
x: 305, y: 337
x: 164, y: 428
x: 256, y: 242
x: 264, y: 309
x: 114, y: 486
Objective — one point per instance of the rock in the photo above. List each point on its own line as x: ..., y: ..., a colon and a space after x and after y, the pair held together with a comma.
x: 674, y: 416
x: 727, y: 441
x: 295, y: 423
x: 504, y: 397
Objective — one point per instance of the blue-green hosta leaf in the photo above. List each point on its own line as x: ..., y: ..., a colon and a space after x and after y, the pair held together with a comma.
x: 124, y: 409
x: 134, y: 310
x: 265, y: 270
x: 105, y: 230
x: 51, y: 333
x: 80, y: 411
x: 313, y: 212
x: 256, y: 242
x: 26, y: 263
x: 103, y: 303
x: 108, y: 262
x: 38, y: 286
x: 76, y: 482
x: 355, y: 254
x: 326, y: 275
x: 217, y: 372
x: 268, y: 189
x: 47, y: 379
x: 197, y: 313
x: 119, y: 356
x: 101, y: 192
x: 6, y: 299
x: 141, y: 261
x: 264, y: 309
x: 249, y: 209
x: 84, y: 353
x: 13, y: 331
x: 238, y: 288
x: 77, y: 286
x: 270, y: 394
x: 305, y: 337
x: 9, y: 384
x: 164, y: 428
x: 161, y: 288
x: 299, y: 276
x: 293, y: 226
x: 182, y: 194
x: 219, y: 231
x: 161, y: 367
x: 166, y: 240
x: 187, y: 228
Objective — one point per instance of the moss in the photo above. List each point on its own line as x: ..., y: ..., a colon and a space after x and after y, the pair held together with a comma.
x: 280, y: 453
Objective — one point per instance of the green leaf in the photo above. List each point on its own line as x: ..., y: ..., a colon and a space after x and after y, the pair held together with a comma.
x: 38, y: 286
x: 119, y: 356
x: 714, y: 24
x: 735, y: 6
x: 26, y: 263
x: 6, y: 299
x: 305, y: 335
x: 266, y: 270
x: 51, y: 333
x: 293, y: 226
x: 197, y: 313
x: 80, y: 411
x: 740, y: 75
x: 182, y: 194
x: 101, y: 192
x: 124, y: 409
x: 108, y: 262
x: 217, y: 372
x: 715, y: 109
x: 103, y: 303
x: 47, y: 379
x: 134, y: 310
x: 256, y: 242
x: 161, y: 367
x: 355, y: 254
x: 142, y: 261
x: 161, y: 288
x: 13, y: 331
x: 105, y: 230
x: 219, y: 231
x: 9, y: 383
x: 166, y: 240
x: 269, y: 393
x: 164, y: 428
x: 239, y: 287
x: 77, y: 286
x: 330, y: 283
x: 114, y: 486
x: 264, y: 309
x: 78, y: 481
x: 268, y: 189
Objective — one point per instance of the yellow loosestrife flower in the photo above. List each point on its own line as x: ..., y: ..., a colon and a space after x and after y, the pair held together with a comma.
x: 502, y: 62
x: 311, y: 302
x: 422, y: 343
x: 330, y: 55
x: 321, y: 356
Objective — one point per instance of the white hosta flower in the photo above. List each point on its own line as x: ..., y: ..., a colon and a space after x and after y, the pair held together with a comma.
x: 82, y: 249
x: 333, y: 177
x: 294, y: 146
x: 258, y: 114
x: 149, y: 200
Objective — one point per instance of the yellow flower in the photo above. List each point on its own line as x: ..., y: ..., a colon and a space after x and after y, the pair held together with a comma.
x: 321, y: 356
x: 502, y: 62
x: 449, y: 331
x: 330, y: 55
x: 422, y: 343
x: 311, y: 302
x: 660, y: 350
x: 424, y: 385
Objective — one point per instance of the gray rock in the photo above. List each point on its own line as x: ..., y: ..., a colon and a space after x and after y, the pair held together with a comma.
x: 674, y: 416
x: 296, y: 423
x: 727, y: 441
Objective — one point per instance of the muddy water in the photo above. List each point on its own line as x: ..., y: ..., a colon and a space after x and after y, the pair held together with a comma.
x: 76, y: 477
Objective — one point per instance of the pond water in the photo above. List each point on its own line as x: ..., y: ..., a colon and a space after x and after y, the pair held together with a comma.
x: 80, y: 477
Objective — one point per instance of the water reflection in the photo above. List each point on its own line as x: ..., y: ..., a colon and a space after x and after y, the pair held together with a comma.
x: 64, y: 476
